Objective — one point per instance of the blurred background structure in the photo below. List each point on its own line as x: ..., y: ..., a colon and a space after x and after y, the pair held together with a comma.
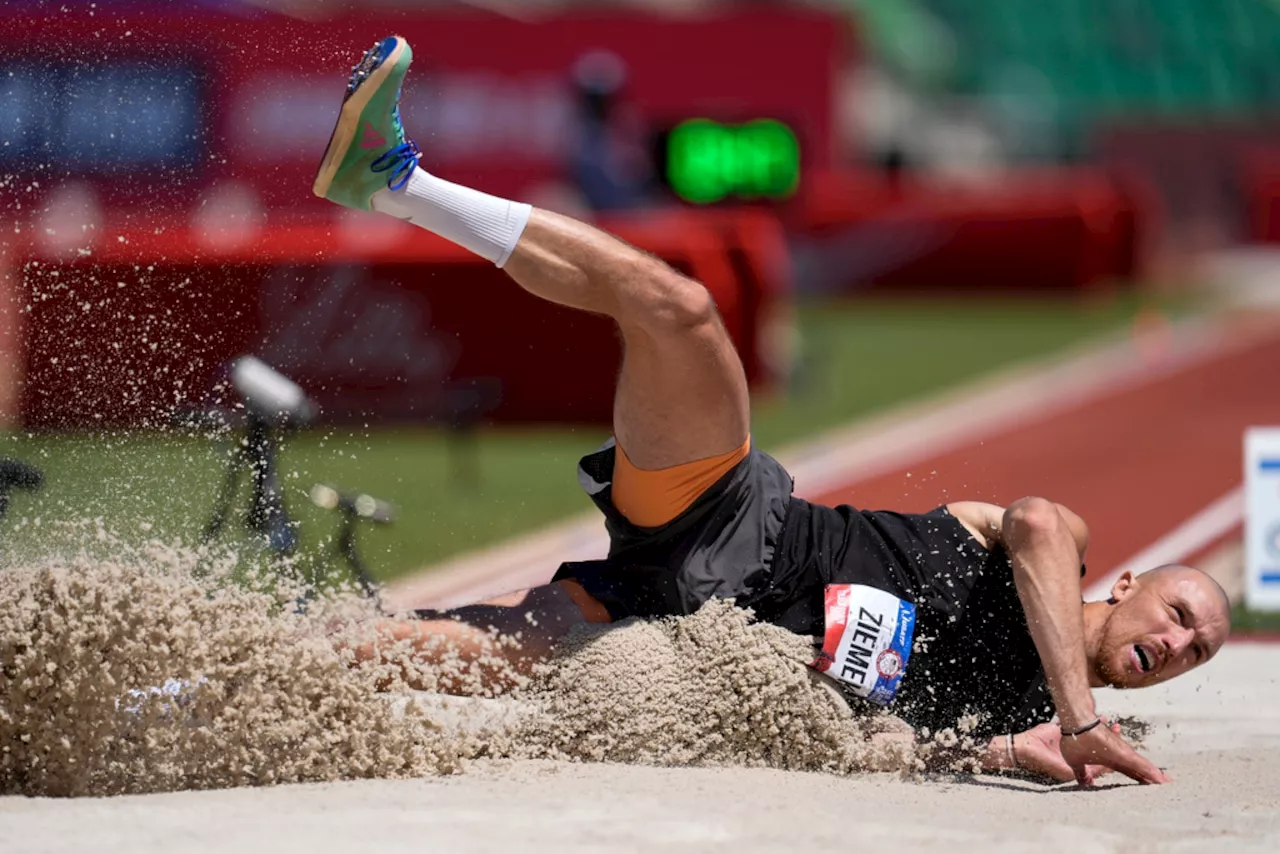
x: 886, y: 198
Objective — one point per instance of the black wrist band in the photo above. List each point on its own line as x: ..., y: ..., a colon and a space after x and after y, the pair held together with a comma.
x: 1084, y: 728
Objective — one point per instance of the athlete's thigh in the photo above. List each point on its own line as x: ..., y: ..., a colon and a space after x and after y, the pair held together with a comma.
x: 681, y: 396
x: 545, y: 612
x: 560, y: 602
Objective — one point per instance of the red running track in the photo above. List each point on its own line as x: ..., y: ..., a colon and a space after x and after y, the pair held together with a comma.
x: 1135, y: 462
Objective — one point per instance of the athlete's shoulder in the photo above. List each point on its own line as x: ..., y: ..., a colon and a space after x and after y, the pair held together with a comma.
x: 982, y: 519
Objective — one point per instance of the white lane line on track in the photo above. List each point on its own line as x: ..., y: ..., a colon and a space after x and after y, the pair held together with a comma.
x: 1005, y: 400
x: 1191, y: 536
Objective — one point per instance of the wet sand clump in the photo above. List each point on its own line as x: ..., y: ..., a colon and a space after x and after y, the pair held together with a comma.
x: 713, y: 688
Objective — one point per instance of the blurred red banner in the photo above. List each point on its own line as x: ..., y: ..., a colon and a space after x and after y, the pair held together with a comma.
x: 1035, y: 230
x: 400, y: 326
x: 152, y: 107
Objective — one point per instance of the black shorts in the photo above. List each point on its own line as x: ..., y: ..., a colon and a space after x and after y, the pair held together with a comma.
x: 722, y: 546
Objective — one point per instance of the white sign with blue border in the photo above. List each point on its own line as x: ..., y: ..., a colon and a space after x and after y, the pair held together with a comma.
x: 1262, y: 518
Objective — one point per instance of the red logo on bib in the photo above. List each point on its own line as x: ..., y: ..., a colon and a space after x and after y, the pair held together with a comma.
x: 889, y: 664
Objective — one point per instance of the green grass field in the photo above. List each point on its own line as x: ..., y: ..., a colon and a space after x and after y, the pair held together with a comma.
x: 859, y: 358
x: 1244, y: 620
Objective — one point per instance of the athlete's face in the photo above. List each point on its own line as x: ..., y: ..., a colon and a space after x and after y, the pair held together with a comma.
x: 1162, y: 624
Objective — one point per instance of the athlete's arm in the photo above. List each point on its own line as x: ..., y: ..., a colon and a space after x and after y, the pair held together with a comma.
x: 985, y: 520
x: 1046, y: 543
x: 1046, y: 570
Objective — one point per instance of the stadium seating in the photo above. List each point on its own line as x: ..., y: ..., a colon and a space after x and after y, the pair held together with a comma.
x: 1104, y: 57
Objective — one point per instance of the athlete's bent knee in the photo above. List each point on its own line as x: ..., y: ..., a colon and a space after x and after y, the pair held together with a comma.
x: 674, y: 304
x: 691, y: 305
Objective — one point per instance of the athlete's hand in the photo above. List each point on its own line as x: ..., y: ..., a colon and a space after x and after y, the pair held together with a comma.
x: 1039, y: 750
x: 1102, y: 745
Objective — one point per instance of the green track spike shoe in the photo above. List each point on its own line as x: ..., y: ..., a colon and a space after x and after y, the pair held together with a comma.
x: 368, y: 149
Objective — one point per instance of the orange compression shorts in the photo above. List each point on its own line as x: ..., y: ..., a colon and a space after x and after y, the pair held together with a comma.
x: 649, y: 498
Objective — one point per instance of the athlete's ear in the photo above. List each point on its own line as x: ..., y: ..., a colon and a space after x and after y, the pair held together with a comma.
x: 1124, y: 585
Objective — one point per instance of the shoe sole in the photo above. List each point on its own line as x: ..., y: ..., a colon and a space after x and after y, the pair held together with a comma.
x: 344, y: 132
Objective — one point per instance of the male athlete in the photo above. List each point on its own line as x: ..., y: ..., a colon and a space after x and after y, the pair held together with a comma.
x: 970, y: 608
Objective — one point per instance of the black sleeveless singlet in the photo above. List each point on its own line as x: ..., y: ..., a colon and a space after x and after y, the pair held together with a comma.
x: 971, y: 652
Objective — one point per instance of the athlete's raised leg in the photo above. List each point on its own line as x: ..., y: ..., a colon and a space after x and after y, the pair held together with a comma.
x: 681, y: 395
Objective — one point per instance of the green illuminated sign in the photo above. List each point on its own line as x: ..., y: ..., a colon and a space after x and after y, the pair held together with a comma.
x: 708, y: 161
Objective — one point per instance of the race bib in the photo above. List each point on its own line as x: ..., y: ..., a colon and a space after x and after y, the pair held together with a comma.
x: 867, y: 640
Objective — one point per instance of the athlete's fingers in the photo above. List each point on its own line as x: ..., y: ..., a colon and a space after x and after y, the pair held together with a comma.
x: 1134, y: 765
x: 1146, y: 773
x: 1101, y: 746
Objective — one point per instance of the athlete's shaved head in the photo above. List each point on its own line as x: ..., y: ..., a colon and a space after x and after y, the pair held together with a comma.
x: 1173, y: 571
x: 1160, y: 624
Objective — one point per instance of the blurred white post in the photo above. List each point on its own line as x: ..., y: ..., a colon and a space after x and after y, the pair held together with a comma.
x: 1262, y: 518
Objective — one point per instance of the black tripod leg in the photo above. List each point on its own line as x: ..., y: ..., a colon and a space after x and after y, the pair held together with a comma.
x: 222, y: 508
x: 347, y: 545
x: 267, y: 514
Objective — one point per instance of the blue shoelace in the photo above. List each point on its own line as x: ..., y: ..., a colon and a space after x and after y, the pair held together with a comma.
x: 400, y: 162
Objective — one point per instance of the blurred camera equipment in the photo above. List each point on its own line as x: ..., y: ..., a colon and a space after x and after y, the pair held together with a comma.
x: 271, y: 395
x: 15, y: 474
x: 354, y: 507
x: 273, y: 403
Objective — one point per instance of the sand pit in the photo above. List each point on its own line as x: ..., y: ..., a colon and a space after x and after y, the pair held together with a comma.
x: 155, y: 671
x: 1217, y: 732
x: 1218, y: 735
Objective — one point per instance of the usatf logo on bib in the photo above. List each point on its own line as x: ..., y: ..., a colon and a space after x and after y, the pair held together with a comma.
x: 867, y: 640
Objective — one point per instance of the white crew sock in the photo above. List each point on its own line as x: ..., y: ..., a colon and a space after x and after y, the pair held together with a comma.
x: 487, y: 225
